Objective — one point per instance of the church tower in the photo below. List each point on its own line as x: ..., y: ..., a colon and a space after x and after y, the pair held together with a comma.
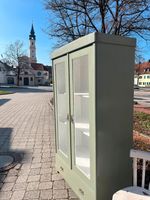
x: 32, y: 39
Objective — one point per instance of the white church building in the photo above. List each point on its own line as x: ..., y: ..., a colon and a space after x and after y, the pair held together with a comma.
x: 31, y: 72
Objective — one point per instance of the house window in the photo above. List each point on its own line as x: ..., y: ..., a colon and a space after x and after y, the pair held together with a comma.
x: 26, y: 73
x: 144, y: 77
x: 31, y: 79
x: 140, y: 83
x: 39, y: 81
x: 148, y: 76
x: 140, y: 77
x: 20, y: 78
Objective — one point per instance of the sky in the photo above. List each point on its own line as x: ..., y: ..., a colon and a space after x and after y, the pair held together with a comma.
x: 16, y: 17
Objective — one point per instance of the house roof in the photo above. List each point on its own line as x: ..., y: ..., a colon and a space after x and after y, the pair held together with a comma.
x: 142, y: 67
x: 6, y: 66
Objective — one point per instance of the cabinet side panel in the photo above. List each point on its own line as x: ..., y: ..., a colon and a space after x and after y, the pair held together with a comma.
x: 114, y: 107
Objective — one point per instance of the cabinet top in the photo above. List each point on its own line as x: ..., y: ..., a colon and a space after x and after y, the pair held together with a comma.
x: 91, y: 39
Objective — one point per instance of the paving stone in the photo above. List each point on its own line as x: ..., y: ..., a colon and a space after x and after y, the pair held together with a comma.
x: 33, y: 186
x: 1, y: 185
x: 56, y: 177
x: 32, y: 194
x: 7, y: 186
x: 45, y: 170
x: 33, y: 178
x: 20, y: 186
x: 10, y: 179
x: 46, y: 165
x: 45, y: 185
x: 46, y: 194
x: 72, y: 195
x: 59, y: 184
x: 36, y: 165
x: 5, y: 195
x: 21, y: 179
x: 57, y: 194
x: 45, y: 177
x: 18, y: 195
x: 35, y: 171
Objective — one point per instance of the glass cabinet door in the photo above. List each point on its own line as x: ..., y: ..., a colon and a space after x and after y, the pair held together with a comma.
x: 62, y: 106
x: 80, y: 111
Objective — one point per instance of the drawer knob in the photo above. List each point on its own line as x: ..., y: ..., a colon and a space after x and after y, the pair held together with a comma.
x: 61, y: 168
x: 81, y: 191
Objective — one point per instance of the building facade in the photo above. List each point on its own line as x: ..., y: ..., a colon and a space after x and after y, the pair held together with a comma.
x: 144, y: 80
x: 7, y: 74
x: 142, y: 74
x: 30, y: 72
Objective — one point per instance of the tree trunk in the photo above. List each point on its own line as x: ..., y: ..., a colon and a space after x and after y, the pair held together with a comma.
x: 18, y: 75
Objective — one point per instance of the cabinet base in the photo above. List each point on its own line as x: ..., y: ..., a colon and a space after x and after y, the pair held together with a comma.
x: 81, y: 189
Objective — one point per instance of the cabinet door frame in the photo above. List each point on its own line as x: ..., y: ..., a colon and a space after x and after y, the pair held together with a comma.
x: 90, y: 51
x: 55, y: 62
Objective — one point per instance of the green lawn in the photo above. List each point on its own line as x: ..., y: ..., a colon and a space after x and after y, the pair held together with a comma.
x: 4, y: 92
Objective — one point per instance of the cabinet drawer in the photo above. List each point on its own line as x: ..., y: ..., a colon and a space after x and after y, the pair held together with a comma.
x: 81, y: 188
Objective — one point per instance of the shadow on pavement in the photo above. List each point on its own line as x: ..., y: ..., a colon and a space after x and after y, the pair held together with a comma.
x: 8, y: 158
x: 3, y: 101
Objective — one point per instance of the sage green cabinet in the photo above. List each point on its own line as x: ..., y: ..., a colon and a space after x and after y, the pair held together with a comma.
x: 93, y: 80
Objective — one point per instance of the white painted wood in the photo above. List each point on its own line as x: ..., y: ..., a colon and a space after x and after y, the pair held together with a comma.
x: 135, y: 171
x: 140, y: 154
x: 145, y: 156
x: 135, y: 192
x: 143, y: 173
x: 132, y: 193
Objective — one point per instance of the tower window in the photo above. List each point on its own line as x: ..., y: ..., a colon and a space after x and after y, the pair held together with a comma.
x: 32, y: 43
x: 39, y: 73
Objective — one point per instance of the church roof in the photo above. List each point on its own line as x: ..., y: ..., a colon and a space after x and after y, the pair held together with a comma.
x: 37, y: 66
x: 32, y: 33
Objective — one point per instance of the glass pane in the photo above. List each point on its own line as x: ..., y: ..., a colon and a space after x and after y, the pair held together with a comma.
x: 81, y: 114
x: 62, y: 102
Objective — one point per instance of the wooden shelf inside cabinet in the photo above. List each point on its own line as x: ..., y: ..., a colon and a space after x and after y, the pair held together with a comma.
x: 85, y: 95
x: 84, y: 127
x: 62, y: 93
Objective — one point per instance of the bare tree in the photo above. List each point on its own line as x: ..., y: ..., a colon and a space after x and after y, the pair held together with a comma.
x: 14, y: 55
x: 71, y: 19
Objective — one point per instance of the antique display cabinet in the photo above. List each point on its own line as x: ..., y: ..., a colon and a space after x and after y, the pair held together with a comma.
x: 93, y: 84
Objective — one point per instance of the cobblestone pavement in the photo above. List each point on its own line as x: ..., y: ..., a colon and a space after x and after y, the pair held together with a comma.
x: 27, y: 129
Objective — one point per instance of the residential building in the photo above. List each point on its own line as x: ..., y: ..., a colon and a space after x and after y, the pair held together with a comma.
x: 142, y: 74
x: 7, y: 74
x: 144, y: 80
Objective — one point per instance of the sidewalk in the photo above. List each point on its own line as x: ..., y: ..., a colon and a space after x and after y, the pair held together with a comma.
x: 27, y: 128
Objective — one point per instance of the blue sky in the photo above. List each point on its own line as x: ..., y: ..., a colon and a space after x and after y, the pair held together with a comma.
x: 16, y: 17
